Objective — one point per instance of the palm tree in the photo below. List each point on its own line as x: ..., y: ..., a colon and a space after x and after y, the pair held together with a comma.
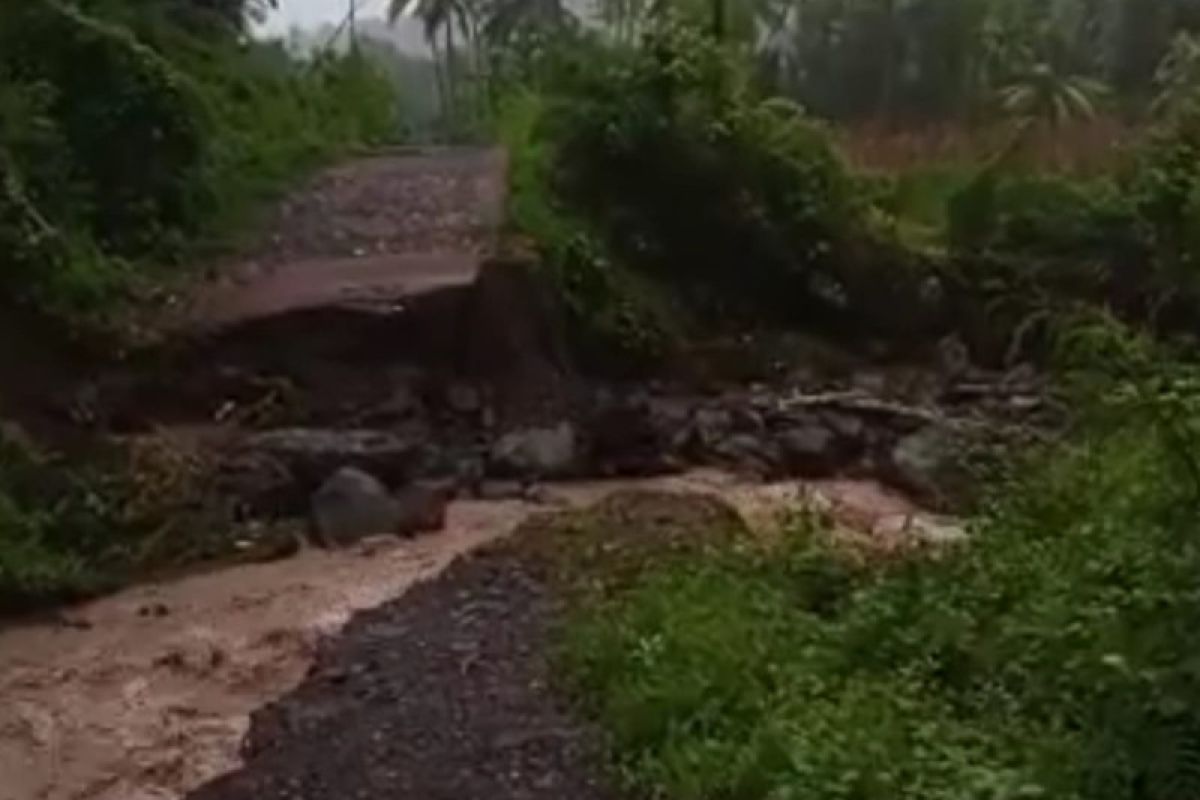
x: 507, y: 19
x: 439, y: 17
x: 1041, y: 93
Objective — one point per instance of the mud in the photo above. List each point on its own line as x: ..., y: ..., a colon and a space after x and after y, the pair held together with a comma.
x: 147, y: 695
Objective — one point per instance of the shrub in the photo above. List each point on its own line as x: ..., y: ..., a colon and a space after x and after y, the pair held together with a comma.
x: 741, y: 204
x: 1051, y: 656
x: 617, y: 321
x: 128, y: 139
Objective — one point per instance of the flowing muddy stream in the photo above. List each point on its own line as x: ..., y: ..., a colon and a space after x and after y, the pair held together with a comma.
x: 146, y: 694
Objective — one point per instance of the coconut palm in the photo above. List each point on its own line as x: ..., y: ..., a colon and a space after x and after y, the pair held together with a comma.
x: 441, y: 19
x: 1043, y: 94
x: 505, y: 20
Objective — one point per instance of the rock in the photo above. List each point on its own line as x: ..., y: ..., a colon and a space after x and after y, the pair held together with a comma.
x: 746, y: 419
x: 402, y: 404
x: 710, y: 425
x: 846, y: 426
x: 628, y: 437
x: 421, y: 508
x: 352, y: 505
x: 501, y: 490
x: 261, y: 485
x: 748, y: 452
x: 809, y: 451
x: 311, y: 454
x: 931, y: 463
x: 543, y: 452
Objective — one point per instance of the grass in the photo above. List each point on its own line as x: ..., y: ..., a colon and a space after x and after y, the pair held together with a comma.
x: 1052, y: 657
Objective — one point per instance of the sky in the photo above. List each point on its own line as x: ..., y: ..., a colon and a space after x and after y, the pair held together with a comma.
x: 312, y: 13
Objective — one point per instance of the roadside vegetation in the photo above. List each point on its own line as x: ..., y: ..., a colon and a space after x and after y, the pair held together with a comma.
x: 688, y: 168
x: 706, y: 166
x: 1051, y: 656
x: 136, y: 137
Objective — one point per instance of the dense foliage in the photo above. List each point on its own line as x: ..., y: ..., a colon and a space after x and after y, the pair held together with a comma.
x: 133, y: 134
x: 127, y: 136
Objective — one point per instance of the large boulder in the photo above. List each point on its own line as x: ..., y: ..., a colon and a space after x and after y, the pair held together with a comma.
x: 933, y: 464
x: 810, y: 451
x: 351, y: 505
x: 538, y: 452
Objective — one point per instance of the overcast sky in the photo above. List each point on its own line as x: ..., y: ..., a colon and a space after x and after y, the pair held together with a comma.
x: 311, y: 13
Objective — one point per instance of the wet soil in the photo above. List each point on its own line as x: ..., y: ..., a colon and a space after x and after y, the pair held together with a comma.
x: 444, y: 694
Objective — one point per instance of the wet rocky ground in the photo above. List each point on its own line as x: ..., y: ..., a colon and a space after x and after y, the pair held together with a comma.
x: 448, y: 691
x: 445, y: 694
x: 335, y: 420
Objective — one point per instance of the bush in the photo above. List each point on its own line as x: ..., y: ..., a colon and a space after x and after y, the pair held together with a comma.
x: 618, y: 321
x: 1052, y: 656
x: 126, y: 139
x: 740, y: 204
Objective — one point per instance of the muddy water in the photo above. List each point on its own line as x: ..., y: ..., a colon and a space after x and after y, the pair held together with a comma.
x: 147, y: 694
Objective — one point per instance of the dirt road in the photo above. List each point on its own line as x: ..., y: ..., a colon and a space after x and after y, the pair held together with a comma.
x: 371, y: 231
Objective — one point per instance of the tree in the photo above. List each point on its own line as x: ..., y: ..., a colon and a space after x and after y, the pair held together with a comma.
x: 440, y: 18
x: 1043, y: 94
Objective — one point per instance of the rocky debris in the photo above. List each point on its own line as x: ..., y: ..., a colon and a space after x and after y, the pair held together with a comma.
x: 421, y: 508
x: 809, y: 450
x: 353, y: 504
x: 311, y: 454
x: 932, y: 463
x: 638, y: 435
x: 540, y: 452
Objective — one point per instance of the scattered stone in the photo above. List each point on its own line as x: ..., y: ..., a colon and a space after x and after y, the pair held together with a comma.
x: 153, y: 610
x: 262, y: 485
x: 745, y: 419
x: 748, y: 452
x: 351, y: 505
x: 543, y: 452
x: 421, y: 508
x: 313, y: 453
x: 847, y: 426
x: 810, y: 451
x: 710, y: 425
x: 402, y: 404
x: 930, y: 462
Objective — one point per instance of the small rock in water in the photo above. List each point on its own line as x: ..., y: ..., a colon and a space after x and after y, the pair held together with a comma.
x: 351, y: 505
x: 421, y: 509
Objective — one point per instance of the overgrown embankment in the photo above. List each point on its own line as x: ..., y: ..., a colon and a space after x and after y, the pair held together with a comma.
x: 134, y: 137
x: 670, y: 196
x: 1050, y: 656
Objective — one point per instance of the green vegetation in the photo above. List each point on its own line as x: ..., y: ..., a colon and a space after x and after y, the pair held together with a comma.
x: 133, y: 133
x: 134, y: 137
x: 1052, y: 656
